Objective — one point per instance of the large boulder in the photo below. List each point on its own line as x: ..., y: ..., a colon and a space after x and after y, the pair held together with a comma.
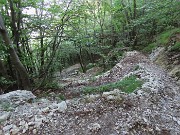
x: 17, y: 97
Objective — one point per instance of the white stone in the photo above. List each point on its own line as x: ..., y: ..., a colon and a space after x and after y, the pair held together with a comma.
x: 174, y: 118
x: 139, y: 92
x: 178, y: 122
x: 92, y: 97
x: 31, y: 124
x: 22, y: 123
x: 7, y: 128
x: 34, y: 131
x: 45, y: 110
x: 106, y: 94
x: 94, y: 127
x: 115, y: 91
x: 4, y: 116
x: 39, y: 121
x: 111, y: 97
x: 61, y: 107
x: 14, y: 130
x: 24, y: 130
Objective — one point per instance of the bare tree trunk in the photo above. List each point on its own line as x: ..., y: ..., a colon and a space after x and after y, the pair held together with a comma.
x: 14, y: 57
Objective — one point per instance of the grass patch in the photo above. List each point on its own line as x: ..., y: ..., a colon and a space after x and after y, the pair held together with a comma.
x: 128, y: 85
x: 175, y: 47
x: 61, y: 97
x: 164, y: 37
x: 149, y: 48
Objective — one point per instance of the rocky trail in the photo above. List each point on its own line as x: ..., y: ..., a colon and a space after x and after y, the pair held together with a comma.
x: 153, y: 109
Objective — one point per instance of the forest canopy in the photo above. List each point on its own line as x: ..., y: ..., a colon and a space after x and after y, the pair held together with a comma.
x: 42, y: 37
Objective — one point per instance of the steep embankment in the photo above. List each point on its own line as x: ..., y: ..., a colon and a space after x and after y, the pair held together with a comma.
x: 153, y: 109
x: 168, y: 56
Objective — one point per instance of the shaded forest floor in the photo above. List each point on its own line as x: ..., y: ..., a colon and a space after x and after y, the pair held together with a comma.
x: 152, y: 109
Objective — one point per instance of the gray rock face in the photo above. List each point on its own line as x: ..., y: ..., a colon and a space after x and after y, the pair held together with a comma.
x: 17, y: 97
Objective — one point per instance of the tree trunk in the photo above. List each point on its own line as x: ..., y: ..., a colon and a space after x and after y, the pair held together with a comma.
x: 14, y: 57
x: 3, y: 71
x: 134, y: 32
x: 81, y: 61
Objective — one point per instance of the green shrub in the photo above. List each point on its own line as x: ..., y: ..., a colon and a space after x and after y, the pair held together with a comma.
x: 128, y: 85
x: 149, y: 48
x: 175, y: 47
x: 164, y: 37
x: 61, y: 97
x: 4, y: 81
x: 51, y: 85
x: 90, y: 65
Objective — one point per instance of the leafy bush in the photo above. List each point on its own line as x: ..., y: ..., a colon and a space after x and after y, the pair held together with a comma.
x: 164, y: 37
x: 128, y: 85
x: 176, y: 47
x: 90, y: 65
x: 4, y: 81
x: 51, y: 85
x: 61, y: 97
x: 149, y: 48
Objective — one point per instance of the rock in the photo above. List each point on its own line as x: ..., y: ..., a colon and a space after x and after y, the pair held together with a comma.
x: 106, y: 94
x: 178, y: 122
x: 5, y: 116
x: 7, y: 128
x: 91, y: 98
x: 61, y: 107
x: 14, y: 130
x: 1, y: 132
x: 31, y: 124
x: 94, y: 127
x: 23, y: 126
x: 45, y: 110
x: 22, y: 123
x: 111, y: 97
x: 115, y: 92
x: 131, y: 53
x: 35, y: 131
x: 17, y: 97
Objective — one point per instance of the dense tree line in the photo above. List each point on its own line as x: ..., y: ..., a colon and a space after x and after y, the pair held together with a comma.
x: 42, y: 37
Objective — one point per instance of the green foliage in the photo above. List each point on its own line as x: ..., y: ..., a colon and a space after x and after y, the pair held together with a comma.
x: 4, y: 81
x: 164, y: 37
x: 90, y: 65
x: 50, y: 85
x: 61, y: 97
x: 93, y: 79
x: 59, y: 32
x: 149, y: 48
x: 176, y: 47
x: 128, y: 85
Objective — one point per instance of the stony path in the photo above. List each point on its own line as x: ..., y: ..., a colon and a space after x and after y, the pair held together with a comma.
x: 153, y: 109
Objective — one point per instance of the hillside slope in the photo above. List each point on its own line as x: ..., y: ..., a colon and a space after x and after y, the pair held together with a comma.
x: 153, y: 109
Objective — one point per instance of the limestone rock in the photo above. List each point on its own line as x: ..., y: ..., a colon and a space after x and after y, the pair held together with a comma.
x: 94, y: 127
x: 7, y: 128
x: 14, y: 130
x: 4, y: 116
x: 17, y: 97
x: 61, y: 107
x: 92, y: 97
